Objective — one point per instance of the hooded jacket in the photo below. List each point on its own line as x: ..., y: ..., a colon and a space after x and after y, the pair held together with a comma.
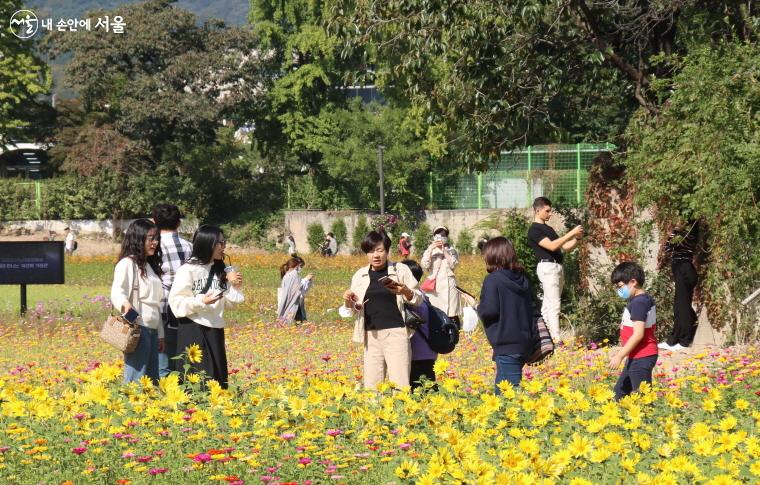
x: 507, y: 312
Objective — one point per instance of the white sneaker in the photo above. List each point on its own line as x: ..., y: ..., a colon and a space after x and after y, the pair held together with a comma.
x: 664, y: 346
x: 678, y: 347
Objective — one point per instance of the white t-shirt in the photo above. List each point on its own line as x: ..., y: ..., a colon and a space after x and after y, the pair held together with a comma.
x: 70, y: 241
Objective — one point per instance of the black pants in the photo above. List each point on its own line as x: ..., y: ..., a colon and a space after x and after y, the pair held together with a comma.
x: 634, y: 373
x: 419, y: 369
x: 211, y: 342
x: 684, y: 317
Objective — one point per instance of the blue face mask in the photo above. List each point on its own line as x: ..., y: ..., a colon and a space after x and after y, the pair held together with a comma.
x: 624, y: 292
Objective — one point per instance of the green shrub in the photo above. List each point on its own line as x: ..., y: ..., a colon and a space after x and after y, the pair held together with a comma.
x: 339, y: 230
x: 421, y: 239
x: 361, y: 230
x: 315, y: 234
x: 464, y: 241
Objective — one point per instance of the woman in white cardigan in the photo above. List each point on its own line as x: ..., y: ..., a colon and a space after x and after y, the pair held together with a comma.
x: 439, y: 261
x: 137, y: 284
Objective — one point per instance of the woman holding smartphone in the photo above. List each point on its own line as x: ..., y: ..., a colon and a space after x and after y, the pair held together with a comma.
x: 137, y: 291
x: 202, y: 290
x: 376, y: 298
x: 439, y: 260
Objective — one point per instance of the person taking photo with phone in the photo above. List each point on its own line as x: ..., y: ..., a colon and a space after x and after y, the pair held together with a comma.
x: 201, y: 292
x: 137, y: 291
x: 439, y: 260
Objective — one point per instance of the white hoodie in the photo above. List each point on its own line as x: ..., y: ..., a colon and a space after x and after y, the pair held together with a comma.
x: 186, y: 299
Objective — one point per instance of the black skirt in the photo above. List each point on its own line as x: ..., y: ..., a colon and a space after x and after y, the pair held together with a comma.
x: 211, y: 342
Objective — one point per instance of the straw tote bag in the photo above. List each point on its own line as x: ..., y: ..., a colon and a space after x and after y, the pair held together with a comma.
x: 119, y: 333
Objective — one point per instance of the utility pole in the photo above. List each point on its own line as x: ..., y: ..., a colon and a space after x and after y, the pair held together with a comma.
x: 380, y: 149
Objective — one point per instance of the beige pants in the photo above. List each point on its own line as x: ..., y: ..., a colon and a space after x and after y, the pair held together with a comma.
x: 387, y: 350
x: 552, y: 279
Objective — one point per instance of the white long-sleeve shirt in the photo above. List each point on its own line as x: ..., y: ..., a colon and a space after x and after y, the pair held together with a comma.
x: 147, y: 301
x: 186, y: 299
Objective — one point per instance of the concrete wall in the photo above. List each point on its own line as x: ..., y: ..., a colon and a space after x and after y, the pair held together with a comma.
x: 297, y: 221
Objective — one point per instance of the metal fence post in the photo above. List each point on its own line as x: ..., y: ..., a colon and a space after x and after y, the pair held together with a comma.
x: 38, y: 200
x: 530, y: 180
x: 480, y: 190
x: 578, y: 174
x: 430, y: 189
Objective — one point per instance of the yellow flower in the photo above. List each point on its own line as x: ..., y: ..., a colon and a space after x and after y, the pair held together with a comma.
x: 728, y: 423
x: 580, y: 481
x: 741, y: 405
x: 194, y: 353
x: 407, y: 469
x: 193, y: 378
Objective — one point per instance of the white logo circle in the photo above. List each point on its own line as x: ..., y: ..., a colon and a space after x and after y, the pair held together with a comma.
x: 24, y: 24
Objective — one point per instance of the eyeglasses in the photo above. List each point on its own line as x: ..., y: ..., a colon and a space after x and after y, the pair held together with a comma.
x: 154, y: 238
x: 222, y: 243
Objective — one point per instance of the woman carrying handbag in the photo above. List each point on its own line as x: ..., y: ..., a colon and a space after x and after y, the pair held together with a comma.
x: 439, y: 260
x: 137, y: 286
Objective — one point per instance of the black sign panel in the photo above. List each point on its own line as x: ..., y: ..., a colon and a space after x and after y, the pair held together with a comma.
x: 31, y: 263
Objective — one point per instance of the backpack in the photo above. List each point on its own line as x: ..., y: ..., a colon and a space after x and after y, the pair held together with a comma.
x: 443, y: 332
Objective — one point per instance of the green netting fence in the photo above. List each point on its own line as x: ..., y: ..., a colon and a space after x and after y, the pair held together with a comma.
x: 559, y: 172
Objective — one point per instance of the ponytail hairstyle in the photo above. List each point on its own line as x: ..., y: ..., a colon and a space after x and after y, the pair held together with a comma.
x: 133, y: 246
x: 205, y: 240
x: 293, y: 262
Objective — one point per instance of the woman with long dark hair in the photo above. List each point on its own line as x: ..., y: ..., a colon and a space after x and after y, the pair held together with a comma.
x: 292, y: 291
x: 506, y: 310
x: 202, y: 290
x: 137, y: 285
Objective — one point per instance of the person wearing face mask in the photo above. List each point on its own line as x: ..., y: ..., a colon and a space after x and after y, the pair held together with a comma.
x: 203, y: 289
x: 376, y: 299
x: 292, y: 292
x: 637, y: 330
x: 439, y: 261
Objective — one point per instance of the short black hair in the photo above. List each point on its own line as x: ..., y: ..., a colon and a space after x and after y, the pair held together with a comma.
x: 540, y: 203
x: 167, y: 216
x: 416, y: 270
x: 625, y: 272
x: 442, y: 230
x: 331, y: 234
x: 373, y: 238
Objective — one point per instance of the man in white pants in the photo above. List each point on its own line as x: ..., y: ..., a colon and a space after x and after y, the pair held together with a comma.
x: 548, y: 247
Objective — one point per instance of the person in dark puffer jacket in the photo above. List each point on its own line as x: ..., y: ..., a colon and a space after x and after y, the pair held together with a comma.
x: 507, y: 311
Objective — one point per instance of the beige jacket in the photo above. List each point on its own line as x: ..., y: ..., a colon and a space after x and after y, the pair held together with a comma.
x: 446, y: 296
x: 359, y: 284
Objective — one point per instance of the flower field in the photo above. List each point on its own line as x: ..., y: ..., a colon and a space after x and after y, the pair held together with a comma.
x: 295, y: 412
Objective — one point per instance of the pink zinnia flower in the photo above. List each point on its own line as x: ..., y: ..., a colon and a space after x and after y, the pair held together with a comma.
x: 334, y: 432
x: 158, y: 471
x: 202, y: 458
x: 304, y: 461
x: 287, y: 436
x: 144, y: 459
x: 79, y: 450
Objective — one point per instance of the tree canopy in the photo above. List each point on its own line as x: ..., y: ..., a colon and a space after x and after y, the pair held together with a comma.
x: 23, y: 78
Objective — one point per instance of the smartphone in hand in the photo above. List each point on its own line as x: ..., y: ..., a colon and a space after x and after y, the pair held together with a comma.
x: 387, y: 282
x: 131, y: 315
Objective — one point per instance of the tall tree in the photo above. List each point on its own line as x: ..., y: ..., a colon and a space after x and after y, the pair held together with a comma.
x: 492, y: 75
x: 23, y: 77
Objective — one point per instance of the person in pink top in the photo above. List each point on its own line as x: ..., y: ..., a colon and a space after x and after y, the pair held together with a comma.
x: 637, y: 330
x: 404, y: 245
